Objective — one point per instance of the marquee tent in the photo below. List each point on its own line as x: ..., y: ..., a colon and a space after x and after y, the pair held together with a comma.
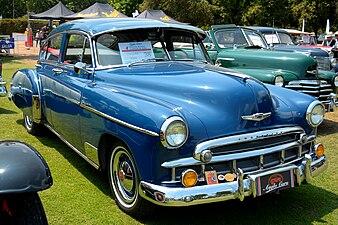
x: 157, y: 15
x: 97, y: 10
x: 58, y: 12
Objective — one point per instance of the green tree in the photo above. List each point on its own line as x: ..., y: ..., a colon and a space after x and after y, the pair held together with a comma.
x: 126, y: 7
x: 268, y: 13
x: 315, y: 13
x: 195, y: 12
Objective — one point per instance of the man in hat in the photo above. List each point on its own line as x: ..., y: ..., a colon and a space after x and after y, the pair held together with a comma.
x: 330, y: 40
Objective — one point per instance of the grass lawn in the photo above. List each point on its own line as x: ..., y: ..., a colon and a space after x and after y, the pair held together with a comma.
x: 81, y: 195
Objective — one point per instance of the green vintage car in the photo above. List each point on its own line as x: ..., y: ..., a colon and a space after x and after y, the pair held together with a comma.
x: 246, y: 50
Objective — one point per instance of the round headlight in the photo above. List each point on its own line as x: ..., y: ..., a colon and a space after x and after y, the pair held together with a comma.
x: 174, y: 132
x: 333, y: 62
x: 315, y: 113
x: 335, y: 81
x: 279, y: 81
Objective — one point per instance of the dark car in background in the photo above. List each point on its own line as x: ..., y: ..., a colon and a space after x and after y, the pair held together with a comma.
x: 246, y: 50
x: 23, y: 173
x: 281, y: 40
x: 140, y: 100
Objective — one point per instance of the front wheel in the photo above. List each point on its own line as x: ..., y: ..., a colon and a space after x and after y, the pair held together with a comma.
x: 22, y: 209
x: 31, y: 126
x: 124, y: 182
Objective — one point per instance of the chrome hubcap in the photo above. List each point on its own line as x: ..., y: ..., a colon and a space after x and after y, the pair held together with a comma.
x: 123, y: 177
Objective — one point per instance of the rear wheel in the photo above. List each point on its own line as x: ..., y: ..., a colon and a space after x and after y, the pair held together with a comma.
x: 22, y: 209
x: 31, y: 126
x: 124, y: 182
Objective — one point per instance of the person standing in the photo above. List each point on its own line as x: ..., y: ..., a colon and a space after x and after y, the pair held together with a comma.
x: 37, y: 37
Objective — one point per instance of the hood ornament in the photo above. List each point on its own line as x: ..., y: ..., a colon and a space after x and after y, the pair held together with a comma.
x: 257, y: 116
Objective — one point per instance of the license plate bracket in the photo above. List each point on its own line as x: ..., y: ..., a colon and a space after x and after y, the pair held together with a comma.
x: 275, y: 181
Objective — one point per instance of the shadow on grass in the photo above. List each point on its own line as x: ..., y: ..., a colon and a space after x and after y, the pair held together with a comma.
x: 302, y: 205
x: 98, y: 178
x: 6, y: 111
x: 328, y: 127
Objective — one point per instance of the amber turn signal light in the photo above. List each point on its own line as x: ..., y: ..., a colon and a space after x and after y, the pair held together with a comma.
x: 189, y: 178
x: 319, y: 150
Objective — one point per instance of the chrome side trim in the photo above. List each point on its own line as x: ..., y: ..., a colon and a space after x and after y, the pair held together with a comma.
x: 236, y: 139
x: 89, y: 108
x: 36, y: 109
x: 72, y: 147
x: 91, y: 152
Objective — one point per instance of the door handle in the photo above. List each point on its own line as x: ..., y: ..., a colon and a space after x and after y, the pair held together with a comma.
x: 57, y: 70
x: 38, y: 66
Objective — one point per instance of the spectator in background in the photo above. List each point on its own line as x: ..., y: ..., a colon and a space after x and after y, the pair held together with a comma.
x: 330, y: 40
x: 37, y: 38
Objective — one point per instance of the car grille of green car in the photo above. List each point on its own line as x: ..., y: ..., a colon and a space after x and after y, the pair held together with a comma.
x: 319, y: 89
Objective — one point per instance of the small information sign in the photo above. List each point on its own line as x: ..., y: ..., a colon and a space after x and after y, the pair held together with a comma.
x: 136, y: 51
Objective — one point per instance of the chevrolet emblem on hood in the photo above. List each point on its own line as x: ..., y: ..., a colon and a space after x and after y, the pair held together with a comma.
x: 257, y: 116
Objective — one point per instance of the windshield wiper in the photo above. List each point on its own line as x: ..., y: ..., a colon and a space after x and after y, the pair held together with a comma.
x: 192, y: 60
x: 147, y: 61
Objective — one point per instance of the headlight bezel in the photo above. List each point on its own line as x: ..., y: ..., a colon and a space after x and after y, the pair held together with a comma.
x: 310, y: 111
x: 279, y: 81
x: 164, y: 132
x: 335, y: 81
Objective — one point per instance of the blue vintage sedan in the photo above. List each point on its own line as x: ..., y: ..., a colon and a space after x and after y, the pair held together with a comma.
x: 139, y: 99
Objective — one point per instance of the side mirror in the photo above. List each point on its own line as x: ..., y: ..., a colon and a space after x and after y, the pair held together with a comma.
x: 80, y: 66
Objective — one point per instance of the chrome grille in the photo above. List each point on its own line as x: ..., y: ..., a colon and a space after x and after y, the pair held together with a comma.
x: 319, y: 89
x: 251, y: 152
x: 323, y: 63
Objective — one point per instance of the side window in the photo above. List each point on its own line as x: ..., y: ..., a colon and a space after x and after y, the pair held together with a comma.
x: 77, y: 50
x: 51, y: 48
x: 108, y: 50
x: 185, y: 48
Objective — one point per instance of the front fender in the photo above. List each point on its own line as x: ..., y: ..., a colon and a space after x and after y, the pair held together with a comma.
x: 326, y: 75
x: 22, y: 169
x: 268, y: 75
x: 25, y: 94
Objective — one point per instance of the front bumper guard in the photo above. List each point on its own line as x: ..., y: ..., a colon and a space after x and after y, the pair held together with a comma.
x: 243, y: 187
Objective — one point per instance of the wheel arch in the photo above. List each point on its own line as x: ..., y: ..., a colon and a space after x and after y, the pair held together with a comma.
x: 26, y: 93
x: 106, y: 143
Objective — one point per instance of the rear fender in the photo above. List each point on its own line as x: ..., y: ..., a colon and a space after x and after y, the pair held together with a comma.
x: 26, y: 94
x: 22, y: 169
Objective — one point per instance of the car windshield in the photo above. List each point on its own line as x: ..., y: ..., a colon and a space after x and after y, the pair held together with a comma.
x: 285, y: 39
x: 128, y: 47
x: 239, y: 38
x: 278, y: 38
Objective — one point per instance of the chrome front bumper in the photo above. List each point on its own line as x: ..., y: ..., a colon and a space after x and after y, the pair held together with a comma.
x: 3, y: 90
x: 245, y: 185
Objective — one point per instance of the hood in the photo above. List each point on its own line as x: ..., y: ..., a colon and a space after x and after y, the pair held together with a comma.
x: 244, y: 58
x: 216, y: 96
x: 304, y: 50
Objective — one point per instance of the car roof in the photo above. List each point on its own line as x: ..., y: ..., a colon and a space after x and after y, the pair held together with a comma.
x: 97, y: 26
x: 267, y: 29
x: 229, y: 26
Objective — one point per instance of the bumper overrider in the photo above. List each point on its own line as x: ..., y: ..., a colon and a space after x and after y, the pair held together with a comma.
x: 3, y: 90
x: 301, y: 170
